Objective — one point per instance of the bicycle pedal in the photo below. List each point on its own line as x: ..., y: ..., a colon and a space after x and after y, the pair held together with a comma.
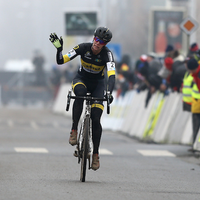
x: 76, y: 152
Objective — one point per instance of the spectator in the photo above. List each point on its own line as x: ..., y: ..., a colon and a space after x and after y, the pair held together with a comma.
x: 164, y: 72
x: 149, y: 67
x: 139, y: 64
x: 125, y: 70
x: 168, y: 62
x: 178, y: 70
x: 192, y: 50
x: 125, y: 76
x: 194, y: 69
x: 156, y: 83
x: 122, y: 85
x: 55, y: 80
x: 154, y: 64
x: 188, y: 84
x: 173, y: 70
x: 169, y: 48
x: 139, y: 83
x: 38, y: 62
x: 123, y: 80
x: 149, y: 70
x: 187, y: 91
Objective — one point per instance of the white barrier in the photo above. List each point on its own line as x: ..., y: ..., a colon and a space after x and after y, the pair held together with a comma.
x: 166, y: 115
x: 163, y: 121
x: 187, y: 133
x: 196, y: 145
x: 61, y: 101
x: 172, y: 121
x: 119, y: 109
x: 178, y: 124
x: 131, y: 114
x: 138, y: 128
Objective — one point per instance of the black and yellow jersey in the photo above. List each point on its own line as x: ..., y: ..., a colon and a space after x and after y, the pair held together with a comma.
x: 92, y: 66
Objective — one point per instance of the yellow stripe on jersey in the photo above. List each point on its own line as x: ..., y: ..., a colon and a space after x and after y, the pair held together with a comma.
x: 66, y: 58
x: 112, y: 72
x: 92, y: 67
x: 96, y: 105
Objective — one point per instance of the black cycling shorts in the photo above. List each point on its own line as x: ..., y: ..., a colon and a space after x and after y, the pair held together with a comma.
x: 95, y: 87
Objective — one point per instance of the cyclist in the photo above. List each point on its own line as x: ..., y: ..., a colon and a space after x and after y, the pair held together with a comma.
x: 95, y: 57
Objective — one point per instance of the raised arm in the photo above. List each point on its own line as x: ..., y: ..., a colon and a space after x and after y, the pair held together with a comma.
x: 58, y: 43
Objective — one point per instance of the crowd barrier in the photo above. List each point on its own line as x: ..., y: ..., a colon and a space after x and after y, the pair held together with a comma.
x: 60, y: 103
x: 163, y: 121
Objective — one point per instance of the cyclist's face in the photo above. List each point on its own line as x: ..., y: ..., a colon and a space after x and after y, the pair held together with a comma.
x: 97, y: 45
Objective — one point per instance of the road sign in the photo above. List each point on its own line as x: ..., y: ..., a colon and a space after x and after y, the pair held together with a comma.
x: 116, y: 50
x: 189, y: 25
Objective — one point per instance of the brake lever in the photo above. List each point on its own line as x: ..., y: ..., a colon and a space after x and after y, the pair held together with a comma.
x: 68, y: 100
x: 108, y: 102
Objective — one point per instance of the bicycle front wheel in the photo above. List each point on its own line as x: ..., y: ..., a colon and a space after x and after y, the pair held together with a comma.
x: 85, y: 146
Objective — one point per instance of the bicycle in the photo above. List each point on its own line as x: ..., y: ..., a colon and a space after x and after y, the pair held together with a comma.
x: 84, y: 147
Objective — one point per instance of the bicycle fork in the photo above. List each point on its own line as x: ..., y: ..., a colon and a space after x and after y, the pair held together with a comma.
x: 90, y: 145
x: 90, y: 149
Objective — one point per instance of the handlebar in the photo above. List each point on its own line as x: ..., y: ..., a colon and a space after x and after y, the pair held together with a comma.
x: 88, y: 98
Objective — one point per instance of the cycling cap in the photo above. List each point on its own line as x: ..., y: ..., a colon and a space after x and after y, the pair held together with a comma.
x: 103, y: 33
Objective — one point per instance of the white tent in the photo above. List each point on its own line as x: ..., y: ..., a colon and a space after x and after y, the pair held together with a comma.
x: 19, y: 66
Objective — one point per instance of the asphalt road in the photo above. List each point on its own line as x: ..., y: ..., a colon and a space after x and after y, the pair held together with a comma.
x: 36, y: 162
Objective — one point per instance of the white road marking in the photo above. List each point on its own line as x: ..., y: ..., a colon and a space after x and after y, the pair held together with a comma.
x: 34, y: 125
x: 105, y: 152
x: 43, y: 150
x: 30, y: 150
x: 156, y: 153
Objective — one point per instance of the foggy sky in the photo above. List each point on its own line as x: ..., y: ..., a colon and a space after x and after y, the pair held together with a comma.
x: 27, y: 24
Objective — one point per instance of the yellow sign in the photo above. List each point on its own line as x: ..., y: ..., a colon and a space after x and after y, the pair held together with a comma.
x: 154, y: 115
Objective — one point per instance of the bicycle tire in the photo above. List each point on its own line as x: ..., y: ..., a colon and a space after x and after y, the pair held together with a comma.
x: 86, y: 130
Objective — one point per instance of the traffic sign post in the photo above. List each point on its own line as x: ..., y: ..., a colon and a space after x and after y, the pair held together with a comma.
x: 189, y: 25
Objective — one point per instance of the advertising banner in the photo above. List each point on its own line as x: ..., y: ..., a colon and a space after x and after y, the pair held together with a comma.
x: 80, y: 23
x: 165, y: 29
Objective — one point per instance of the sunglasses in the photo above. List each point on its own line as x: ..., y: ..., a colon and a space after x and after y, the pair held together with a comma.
x: 99, y: 40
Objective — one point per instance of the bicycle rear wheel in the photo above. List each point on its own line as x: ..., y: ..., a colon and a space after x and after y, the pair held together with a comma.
x: 84, y: 148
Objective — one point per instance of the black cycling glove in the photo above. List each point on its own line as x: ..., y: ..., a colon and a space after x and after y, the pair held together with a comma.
x: 58, y: 43
x: 109, y: 96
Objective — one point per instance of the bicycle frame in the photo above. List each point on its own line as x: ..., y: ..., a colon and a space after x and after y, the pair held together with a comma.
x: 84, y: 146
x: 81, y: 137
